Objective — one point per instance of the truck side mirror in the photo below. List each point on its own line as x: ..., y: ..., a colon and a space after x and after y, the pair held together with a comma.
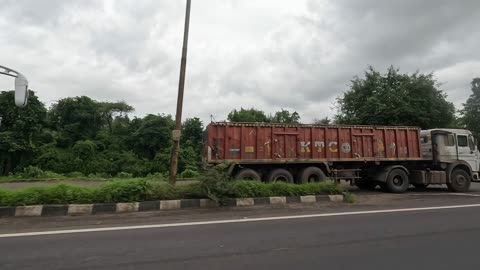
x: 21, y: 91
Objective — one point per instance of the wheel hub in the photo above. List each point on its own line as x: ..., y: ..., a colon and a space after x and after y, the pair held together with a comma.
x: 460, y: 179
x: 397, y: 181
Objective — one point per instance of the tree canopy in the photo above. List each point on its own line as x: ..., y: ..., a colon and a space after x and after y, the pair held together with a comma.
x: 395, y: 98
x: 81, y: 135
x: 247, y: 115
x: 20, y: 129
x: 471, y: 112
x: 284, y: 116
x: 254, y: 115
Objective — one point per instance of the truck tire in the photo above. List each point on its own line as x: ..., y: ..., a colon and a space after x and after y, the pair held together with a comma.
x: 365, y: 184
x: 247, y: 174
x: 311, y: 174
x: 397, y: 181
x: 459, y: 181
x: 280, y: 175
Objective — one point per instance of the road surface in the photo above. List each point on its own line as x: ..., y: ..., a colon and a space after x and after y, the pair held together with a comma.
x: 428, y: 239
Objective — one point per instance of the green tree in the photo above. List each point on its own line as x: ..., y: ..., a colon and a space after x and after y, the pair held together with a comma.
x: 323, y: 121
x: 77, y: 118
x: 471, y: 111
x: 192, y: 136
x: 84, y: 150
x: 154, y: 135
x: 109, y: 110
x: 247, y: 115
x: 18, y: 131
x: 51, y: 158
x: 284, y: 116
x: 395, y: 99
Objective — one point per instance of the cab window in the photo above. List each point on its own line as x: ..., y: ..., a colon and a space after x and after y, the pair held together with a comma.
x: 450, y: 140
x: 462, y: 141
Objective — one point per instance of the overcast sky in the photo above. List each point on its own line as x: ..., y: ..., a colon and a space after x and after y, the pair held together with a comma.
x: 268, y: 54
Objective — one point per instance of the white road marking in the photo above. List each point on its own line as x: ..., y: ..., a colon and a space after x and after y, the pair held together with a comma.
x: 445, y: 194
x: 153, y: 226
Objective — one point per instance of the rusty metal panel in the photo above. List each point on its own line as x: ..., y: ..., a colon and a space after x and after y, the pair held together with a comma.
x: 280, y: 142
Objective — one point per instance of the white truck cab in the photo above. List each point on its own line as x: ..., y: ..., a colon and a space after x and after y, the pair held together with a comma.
x: 452, y: 147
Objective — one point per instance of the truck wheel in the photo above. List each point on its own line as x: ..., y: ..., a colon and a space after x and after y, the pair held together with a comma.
x: 459, y: 181
x: 280, y: 175
x: 397, y: 181
x: 247, y: 174
x: 311, y: 174
x: 365, y: 184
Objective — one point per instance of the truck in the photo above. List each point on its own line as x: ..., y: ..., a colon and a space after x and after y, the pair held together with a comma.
x: 392, y: 157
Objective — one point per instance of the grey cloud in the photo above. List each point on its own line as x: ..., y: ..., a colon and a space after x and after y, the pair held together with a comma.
x: 33, y: 12
x: 267, y: 54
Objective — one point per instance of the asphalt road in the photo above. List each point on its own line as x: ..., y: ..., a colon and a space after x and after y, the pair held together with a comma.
x: 433, y: 239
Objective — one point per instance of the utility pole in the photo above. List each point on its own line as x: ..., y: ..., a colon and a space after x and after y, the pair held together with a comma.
x: 181, y: 86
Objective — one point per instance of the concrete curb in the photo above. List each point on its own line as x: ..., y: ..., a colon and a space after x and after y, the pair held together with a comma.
x: 110, y: 208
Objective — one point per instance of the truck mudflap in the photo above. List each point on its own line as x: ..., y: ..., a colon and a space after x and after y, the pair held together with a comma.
x: 476, y: 177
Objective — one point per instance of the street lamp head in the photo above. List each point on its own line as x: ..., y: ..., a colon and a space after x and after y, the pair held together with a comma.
x: 21, y: 85
x: 21, y: 90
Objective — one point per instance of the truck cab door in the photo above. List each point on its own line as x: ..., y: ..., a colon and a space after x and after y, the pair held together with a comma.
x: 468, y: 151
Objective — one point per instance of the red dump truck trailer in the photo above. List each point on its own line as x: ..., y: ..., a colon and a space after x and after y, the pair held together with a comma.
x: 390, y: 156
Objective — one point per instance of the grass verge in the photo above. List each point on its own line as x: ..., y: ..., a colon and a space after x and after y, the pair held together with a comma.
x: 146, y: 190
x: 349, y: 197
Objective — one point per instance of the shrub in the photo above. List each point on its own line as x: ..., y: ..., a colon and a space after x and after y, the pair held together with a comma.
x: 75, y: 175
x: 92, y: 176
x: 161, y: 191
x: 191, y: 191
x: 349, y: 197
x: 124, y: 175
x: 215, y: 183
x: 249, y: 189
x: 122, y: 191
x: 327, y: 187
x: 156, y: 176
x: 32, y: 172
x: 84, y: 150
x: 216, y: 186
x: 59, y: 194
x: 282, y: 189
x: 102, y: 175
x: 189, y: 173
x: 50, y: 174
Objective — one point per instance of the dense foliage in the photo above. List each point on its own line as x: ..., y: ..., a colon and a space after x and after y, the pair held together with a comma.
x: 471, y: 112
x: 254, y: 115
x: 90, y: 138
x: 395, y: 99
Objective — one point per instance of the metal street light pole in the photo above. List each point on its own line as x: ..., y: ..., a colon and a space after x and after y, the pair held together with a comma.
x: 181, y: 85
